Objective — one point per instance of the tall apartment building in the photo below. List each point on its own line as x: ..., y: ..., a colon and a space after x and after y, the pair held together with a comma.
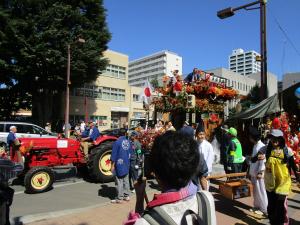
x: 244, y: 62
x: 153, y: 66
x: 109, y: 100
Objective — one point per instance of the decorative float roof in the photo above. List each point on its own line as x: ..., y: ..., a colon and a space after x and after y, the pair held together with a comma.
x: 211, y: 92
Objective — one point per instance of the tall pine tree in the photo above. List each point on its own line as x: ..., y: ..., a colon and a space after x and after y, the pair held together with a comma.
x: 34, y: 35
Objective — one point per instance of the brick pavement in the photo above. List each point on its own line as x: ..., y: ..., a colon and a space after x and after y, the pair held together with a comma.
x: 228, y: 212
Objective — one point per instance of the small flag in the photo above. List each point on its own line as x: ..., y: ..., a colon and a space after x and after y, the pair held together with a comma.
x: 146, y: 93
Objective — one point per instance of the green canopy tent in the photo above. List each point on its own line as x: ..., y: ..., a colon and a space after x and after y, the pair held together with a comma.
x: 253, y: 117
x: 266, y: 107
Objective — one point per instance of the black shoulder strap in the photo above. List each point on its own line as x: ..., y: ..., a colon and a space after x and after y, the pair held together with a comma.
x: 196, y: 220
x: 202, y: 207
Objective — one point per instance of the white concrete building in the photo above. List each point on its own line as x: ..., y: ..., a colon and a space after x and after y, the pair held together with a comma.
x: 244, y: 62
x: 271, y: 82
x: 241, y: 83
x: 289, y: 79
x: 153, y: 66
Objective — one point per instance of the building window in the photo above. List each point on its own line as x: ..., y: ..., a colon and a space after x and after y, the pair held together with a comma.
x: 103, y: 93
x: 136, y: 98
x: 115, y: 71
x: 100, y: 120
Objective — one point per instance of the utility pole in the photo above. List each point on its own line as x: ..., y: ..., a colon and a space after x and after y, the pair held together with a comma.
x: 228, y: 12
x: 67, y: 110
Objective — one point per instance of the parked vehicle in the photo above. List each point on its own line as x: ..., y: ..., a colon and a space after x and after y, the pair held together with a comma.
x: 45, y: 155
x: 24, y: 130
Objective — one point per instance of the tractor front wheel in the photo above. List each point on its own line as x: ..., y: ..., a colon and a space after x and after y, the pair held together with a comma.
x: 100, y: 164
x: 38, y: 179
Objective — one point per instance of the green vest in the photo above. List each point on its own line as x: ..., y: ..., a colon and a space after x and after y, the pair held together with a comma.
x: 238, y: 153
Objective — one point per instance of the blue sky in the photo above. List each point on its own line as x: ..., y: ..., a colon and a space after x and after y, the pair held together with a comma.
x: 192, y: 29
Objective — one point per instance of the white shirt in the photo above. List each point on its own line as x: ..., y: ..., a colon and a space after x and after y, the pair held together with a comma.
x: 207, y: 152
x: 82, y: 127
x: 259, y: 165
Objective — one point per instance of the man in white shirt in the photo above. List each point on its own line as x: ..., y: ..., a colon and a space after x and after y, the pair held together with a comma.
x: 205, y: 148
x: 256, y: 173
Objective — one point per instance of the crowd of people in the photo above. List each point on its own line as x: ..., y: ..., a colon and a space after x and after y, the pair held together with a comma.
x: 182, y: 160
x: 269, y: 167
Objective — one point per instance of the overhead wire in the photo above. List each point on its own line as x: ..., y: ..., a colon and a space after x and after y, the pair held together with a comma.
x: 284, y: 33
x: 283, y: 57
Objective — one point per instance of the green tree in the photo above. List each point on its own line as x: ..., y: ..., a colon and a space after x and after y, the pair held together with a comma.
x: 34, y: 35
x: 154, y: 83
x: 252, y: 98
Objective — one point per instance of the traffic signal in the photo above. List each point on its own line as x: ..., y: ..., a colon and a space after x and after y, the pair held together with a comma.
x: 190, y: 101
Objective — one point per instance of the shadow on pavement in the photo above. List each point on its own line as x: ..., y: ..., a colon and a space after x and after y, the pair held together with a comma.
x: 17, y: 221
x: 18, y: 181
x: 294, y: 200
x: 231, y: 208
x: 107, y: 192
x: 298, y: 192
x: 153, y: 185
x: 294, y: 207
x: 293, y: 222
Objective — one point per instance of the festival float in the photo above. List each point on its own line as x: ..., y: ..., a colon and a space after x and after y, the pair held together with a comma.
x: 203, y: 97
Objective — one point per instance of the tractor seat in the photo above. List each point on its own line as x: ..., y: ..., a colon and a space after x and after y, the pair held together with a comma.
x: 98, y: 140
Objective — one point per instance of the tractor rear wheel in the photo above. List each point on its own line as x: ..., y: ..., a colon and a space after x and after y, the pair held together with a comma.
x: 38, y: 179
x: 99, y: 163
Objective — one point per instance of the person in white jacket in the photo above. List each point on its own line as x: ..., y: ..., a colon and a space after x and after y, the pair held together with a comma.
x: 205, y: 148
x: 256, y: 173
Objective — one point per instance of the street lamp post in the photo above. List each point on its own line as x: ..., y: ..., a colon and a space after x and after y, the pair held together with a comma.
x: 67, y: 109
x: 222, y: 14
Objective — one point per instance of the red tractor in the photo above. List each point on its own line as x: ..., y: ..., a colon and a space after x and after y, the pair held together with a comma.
x: 42, y: 156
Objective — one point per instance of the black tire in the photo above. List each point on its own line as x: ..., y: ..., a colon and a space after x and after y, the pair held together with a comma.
x: 33, y: 185
x: 97, y: 170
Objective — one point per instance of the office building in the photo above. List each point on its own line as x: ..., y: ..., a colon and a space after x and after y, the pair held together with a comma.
x: 243, y: 62
x: 109, y: 101
x: 153, y: 66
x: 272, y: 82
x: 289, y: 79
x: 242, y: 84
